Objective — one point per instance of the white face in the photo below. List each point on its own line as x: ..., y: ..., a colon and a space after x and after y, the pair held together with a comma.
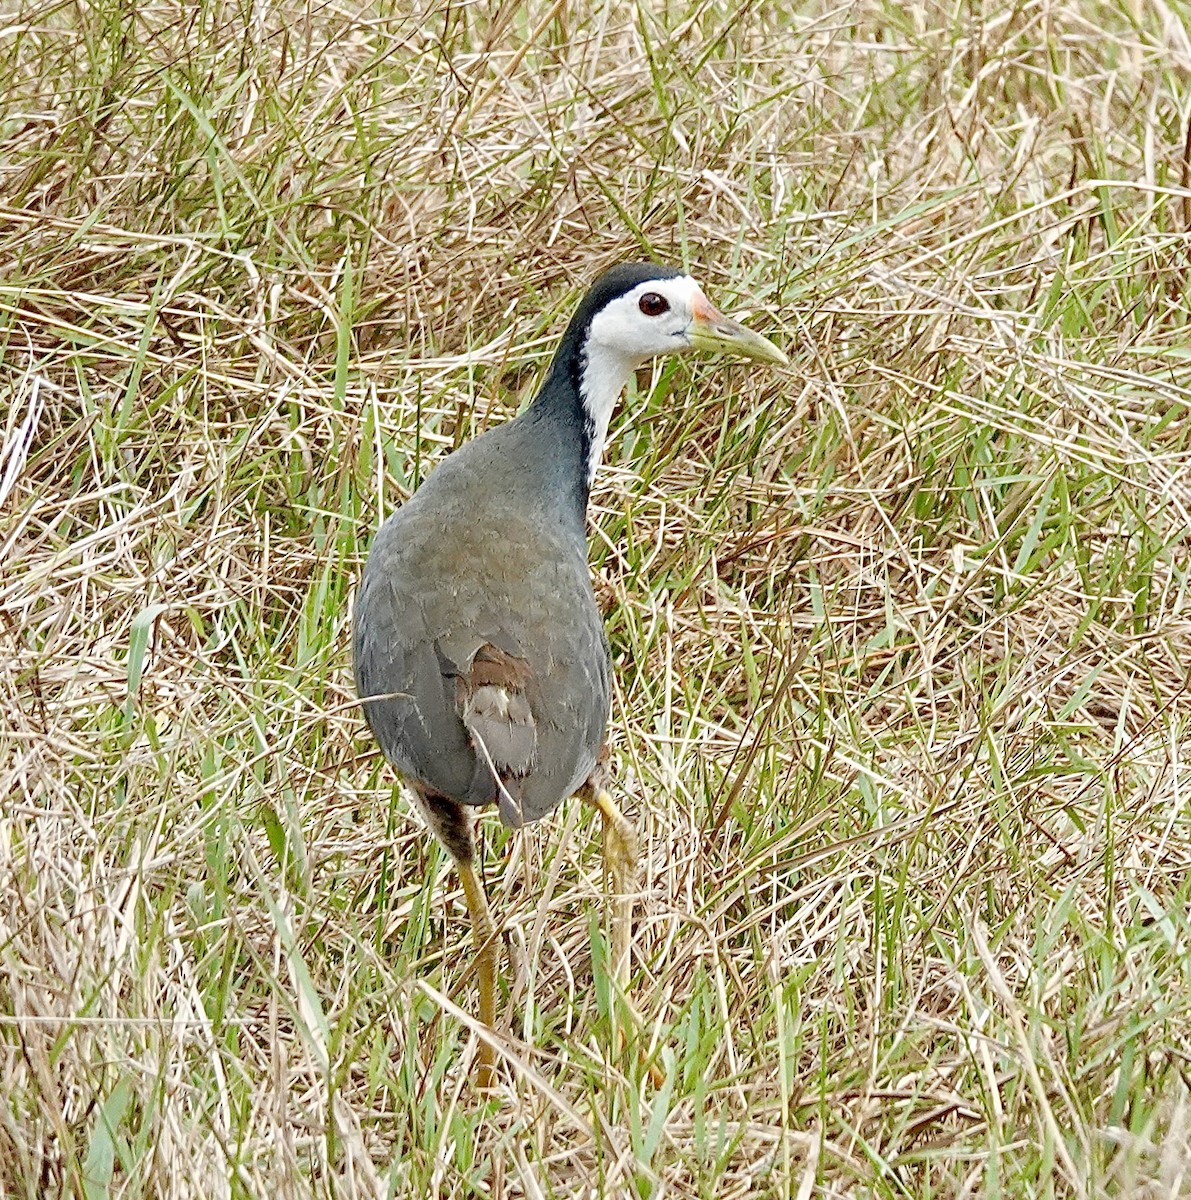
x: 658, y: 316
x: 654, y: 318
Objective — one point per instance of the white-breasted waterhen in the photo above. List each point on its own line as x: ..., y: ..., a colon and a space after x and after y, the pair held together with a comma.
x: 480, y: 654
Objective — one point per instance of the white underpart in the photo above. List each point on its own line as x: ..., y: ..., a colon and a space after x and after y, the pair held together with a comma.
x: 621, y: 339
x: 604, y: 377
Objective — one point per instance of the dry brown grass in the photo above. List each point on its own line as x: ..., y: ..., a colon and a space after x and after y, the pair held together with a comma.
x: 902, y: 635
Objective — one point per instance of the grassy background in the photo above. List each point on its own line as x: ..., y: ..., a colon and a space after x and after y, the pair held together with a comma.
x: 901, y: 634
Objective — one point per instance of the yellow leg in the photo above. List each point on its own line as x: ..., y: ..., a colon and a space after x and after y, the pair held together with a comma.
x: 620, y: 867
x: 484, y: 935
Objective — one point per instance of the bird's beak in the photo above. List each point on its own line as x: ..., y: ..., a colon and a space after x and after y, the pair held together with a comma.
x: 711, y: 330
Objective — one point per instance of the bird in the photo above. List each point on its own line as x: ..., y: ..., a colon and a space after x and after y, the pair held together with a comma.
x: 480, y: 656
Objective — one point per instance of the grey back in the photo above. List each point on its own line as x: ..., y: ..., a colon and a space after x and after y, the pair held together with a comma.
x: 490, y: 549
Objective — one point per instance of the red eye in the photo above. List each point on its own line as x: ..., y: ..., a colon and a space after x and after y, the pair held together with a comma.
x: 653, y: 305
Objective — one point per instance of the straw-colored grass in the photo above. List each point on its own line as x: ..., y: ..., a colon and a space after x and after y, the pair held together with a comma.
x: 901, y: 634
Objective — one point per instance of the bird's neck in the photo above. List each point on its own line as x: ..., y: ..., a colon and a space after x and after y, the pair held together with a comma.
x: 581, y: 388
x: 602, y: 379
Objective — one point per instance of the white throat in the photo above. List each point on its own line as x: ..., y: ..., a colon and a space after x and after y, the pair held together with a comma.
x: 605, y: 372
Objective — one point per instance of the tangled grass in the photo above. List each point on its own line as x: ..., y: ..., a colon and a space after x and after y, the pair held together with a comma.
x: 901, y: 635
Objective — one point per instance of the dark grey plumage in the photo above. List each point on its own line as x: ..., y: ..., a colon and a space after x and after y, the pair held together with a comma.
x: 479, y: 651
x: 492, y: 551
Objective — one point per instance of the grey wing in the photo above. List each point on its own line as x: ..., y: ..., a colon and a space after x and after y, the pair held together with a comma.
x: 410, y: 705
x: 426, y: 694
x: 572, y: 729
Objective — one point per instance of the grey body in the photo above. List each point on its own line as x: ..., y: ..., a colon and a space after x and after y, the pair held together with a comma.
x: 480, y: 654
x: 490, y: 552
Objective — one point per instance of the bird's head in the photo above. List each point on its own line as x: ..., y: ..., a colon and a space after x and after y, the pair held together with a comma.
x: 632, y: 313
x: 640, y: 310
